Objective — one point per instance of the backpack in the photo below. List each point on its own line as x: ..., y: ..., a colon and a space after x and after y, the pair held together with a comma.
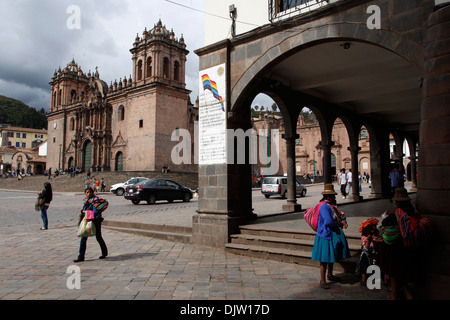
x: 312, y: 216
x: 415, y: 231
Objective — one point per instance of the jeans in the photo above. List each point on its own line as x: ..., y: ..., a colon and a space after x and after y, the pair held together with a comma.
x: 44, y: 216
x: 98, y: 236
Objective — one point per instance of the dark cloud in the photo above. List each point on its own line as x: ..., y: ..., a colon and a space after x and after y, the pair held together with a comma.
x: 35, y: 40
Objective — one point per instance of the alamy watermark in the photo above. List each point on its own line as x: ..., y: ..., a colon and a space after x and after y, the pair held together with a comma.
x: 241, y: 148
x: 374, y: 20
x: 74, y: 280
x: 73, y: 22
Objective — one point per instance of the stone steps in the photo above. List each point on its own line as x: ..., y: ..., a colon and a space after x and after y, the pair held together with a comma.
x: 287, y: 246
x: 164, y: 232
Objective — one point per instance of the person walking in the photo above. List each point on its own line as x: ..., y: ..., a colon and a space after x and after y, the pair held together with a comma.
x: 397, y: 179
x: 330, y: 244
x: 342, y: 180
x: 98, y: 205
x: 47, y: 195
x: 403, y: 264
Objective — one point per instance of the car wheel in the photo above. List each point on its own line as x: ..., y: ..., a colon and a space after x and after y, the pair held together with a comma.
x: 267, y: 196
x: 120, y: 192
x: 187, y: 197
x: 151, y: 199
x: 135, y: 201
x: 303, y: 193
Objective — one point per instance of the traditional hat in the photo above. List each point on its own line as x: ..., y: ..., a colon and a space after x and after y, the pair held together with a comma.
x: 401, y: 194
x: 368, y: 222
x: 329, y: 189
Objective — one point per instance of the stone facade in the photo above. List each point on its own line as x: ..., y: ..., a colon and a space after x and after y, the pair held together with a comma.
x: 128, y: 125
x: 308, y: 154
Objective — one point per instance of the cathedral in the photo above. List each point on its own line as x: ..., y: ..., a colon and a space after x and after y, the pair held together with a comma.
x: 128, y: 125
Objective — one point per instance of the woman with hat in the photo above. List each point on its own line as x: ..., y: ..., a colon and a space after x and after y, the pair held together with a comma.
x: 330, y: 244
x: 396, y: 258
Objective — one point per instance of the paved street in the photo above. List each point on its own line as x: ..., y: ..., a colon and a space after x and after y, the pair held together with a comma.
x: 34, y: 263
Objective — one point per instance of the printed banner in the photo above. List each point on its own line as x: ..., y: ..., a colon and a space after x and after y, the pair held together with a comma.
x: 212, y: 116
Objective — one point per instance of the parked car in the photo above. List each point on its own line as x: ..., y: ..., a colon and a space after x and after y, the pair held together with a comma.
x: 277, y: 185
x: 153, y: 190
x: 119, y: 188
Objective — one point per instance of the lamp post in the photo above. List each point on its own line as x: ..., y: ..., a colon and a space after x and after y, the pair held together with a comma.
x: 59, y: 161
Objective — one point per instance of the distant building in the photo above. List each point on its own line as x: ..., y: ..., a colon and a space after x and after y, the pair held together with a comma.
x: 127, y: 126
x: 21, y: 137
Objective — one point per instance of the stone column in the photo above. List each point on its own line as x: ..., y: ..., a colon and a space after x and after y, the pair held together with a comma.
x: 326, y: 147
x: 434, y: 152
x: 291, y: 205
x: 354, y: 196
x: 413, y: 173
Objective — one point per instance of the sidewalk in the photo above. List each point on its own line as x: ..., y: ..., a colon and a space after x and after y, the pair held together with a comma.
x: 34, y: 266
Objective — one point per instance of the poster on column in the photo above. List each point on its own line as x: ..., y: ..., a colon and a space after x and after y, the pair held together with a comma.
x: 212, y: 116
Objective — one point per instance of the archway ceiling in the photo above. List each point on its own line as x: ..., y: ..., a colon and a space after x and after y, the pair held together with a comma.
x: 366, y: 79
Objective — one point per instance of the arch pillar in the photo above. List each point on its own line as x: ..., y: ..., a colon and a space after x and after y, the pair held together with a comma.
x: 355, y: 196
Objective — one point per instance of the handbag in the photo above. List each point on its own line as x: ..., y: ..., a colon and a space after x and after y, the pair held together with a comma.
x: 90, y: 215
x: 86, y: 229
x: 39, y: 204
x: 312, y: 216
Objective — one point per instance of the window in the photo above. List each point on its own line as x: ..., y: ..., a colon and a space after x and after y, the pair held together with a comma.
x: 24, y: 145
x: 121, y: 113
x: 363, y: 134
x: 139, y: 71
x: 72, y: 124
x: 176, y: 71
x: 149, y: 67
x: 9, y: 143
x: 24, y: 135
x: 17, y: 135
x: 141, y: 123
x: 18, y: 144
x: 166, y: 68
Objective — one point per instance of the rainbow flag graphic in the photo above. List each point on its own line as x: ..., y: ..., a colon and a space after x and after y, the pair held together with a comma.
x: 210, y: 85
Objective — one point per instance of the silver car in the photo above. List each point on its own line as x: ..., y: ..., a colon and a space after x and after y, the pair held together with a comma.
x: 119, y: 188
x: 277, y: 185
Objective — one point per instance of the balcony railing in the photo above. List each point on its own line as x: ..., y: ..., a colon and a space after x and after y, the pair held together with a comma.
x: 279, y: 9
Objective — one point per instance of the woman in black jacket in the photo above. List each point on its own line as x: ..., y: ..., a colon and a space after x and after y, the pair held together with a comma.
x: 47, y: 195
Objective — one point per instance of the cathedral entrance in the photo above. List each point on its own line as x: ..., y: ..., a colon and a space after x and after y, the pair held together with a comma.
x: 119, y: 162
x: 87, y: 155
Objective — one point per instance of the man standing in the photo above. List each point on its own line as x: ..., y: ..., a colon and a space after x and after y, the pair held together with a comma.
x: 349, y: 181
x: 397, y: 179
x: 342, y: 180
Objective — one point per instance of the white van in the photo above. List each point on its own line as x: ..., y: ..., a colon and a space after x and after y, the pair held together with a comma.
x: 277, y: 185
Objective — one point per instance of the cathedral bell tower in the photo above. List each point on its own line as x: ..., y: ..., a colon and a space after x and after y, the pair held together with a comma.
x: 159, y: 57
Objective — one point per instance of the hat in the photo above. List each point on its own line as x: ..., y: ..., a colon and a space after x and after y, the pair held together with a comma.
x: 401, y: 194
x: 368, y: 222
x: 328, y: 189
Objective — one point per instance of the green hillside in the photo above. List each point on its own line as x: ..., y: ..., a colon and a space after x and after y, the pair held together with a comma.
x: 18, y: 114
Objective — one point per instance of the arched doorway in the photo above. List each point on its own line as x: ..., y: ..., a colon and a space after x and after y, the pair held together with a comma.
x: 119, y: 162
x: 87, y: 155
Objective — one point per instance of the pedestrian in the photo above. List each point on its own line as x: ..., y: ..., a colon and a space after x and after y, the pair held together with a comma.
x: 97, y: 185
x: 330, y: 244
x: 49, y: 173
x: 103, y: 185
x: 342, y: 181
x: 369, y: 238
x: 397, y: 179
x: 47, y: 195
x: 402, y: 264
x: 98, y: 205
x: 87, y: 183
x: 349, y: 181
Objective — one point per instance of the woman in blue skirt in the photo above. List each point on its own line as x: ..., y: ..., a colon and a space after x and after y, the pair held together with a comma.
x: 330, y: 244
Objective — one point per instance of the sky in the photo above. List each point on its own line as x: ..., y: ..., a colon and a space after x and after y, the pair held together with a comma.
x: 39, y: 36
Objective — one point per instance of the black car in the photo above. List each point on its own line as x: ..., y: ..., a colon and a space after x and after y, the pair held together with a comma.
x: 153, y: 190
